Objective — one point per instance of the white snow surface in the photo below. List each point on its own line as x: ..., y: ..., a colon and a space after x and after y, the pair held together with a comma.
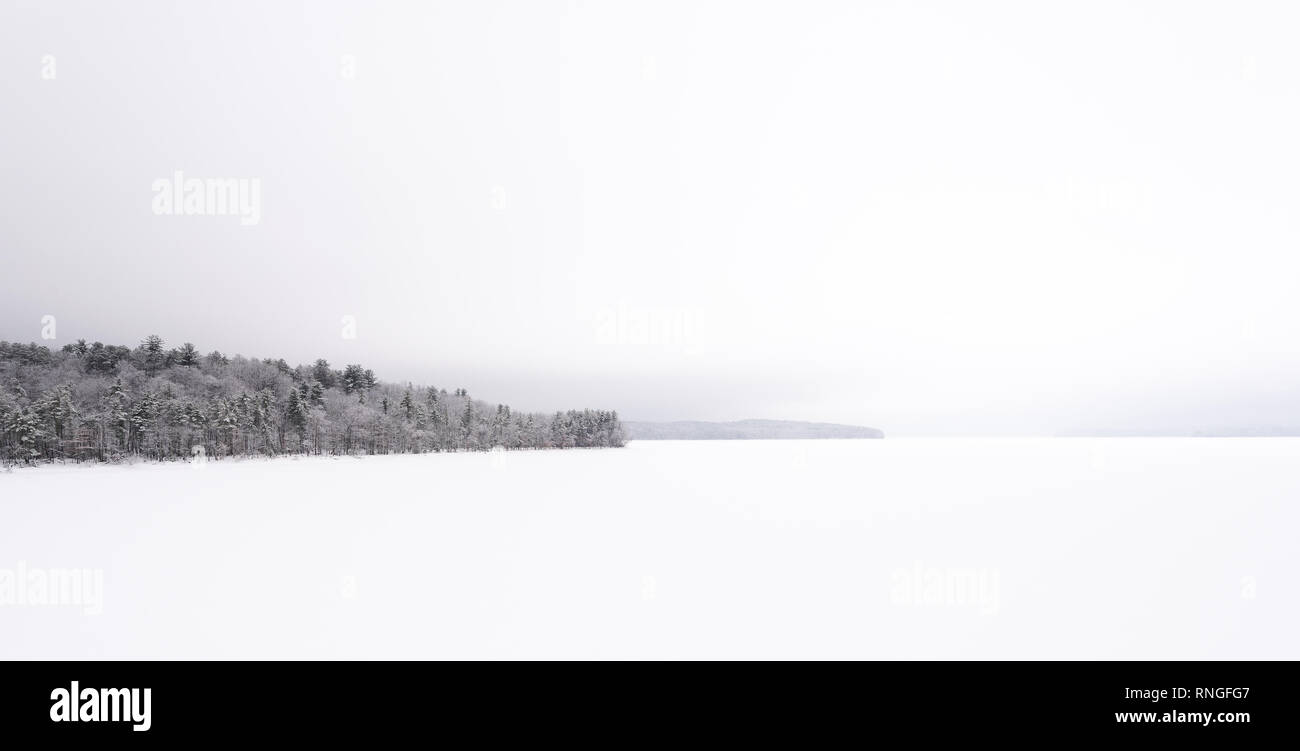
x: 1090, y: 548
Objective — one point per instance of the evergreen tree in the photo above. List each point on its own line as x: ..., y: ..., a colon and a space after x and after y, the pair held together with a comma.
x: 322, y: 374
x: 152, y: 355
x: 354, y: 379
x: 295, y: 413
x: 187, y: 355
x: 408, y: 404
x: 117, y: 405
x: 25, y: 425
x: 467, y: 422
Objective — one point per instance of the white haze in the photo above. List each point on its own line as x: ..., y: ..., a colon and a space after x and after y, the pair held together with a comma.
x: 928, y: 217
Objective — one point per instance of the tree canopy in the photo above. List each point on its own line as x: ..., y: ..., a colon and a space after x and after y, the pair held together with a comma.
x: 104, y: 403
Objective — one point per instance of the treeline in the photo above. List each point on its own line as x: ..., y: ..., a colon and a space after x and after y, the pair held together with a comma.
x: 105, y: 403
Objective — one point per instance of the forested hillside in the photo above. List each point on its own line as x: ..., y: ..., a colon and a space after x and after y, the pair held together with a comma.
x: 105, y: 403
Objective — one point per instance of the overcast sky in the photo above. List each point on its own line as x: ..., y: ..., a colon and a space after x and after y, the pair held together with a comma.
x: 926, y: 217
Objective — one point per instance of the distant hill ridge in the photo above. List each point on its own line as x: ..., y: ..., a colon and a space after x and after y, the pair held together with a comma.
x: 743, y: 430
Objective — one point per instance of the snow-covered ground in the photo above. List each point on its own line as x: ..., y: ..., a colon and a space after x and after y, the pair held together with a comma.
x: 901, y: 548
